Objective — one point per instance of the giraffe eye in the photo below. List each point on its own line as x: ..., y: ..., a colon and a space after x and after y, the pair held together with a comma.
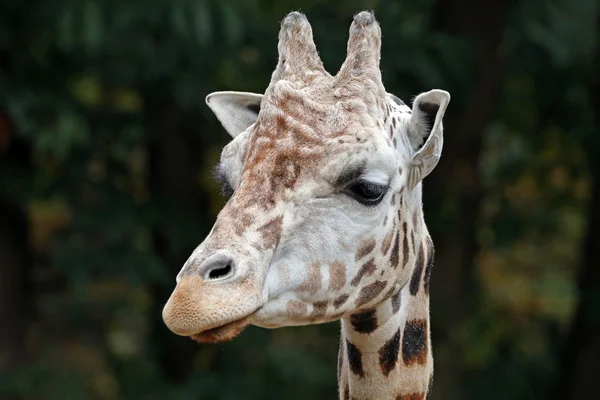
x: 367, y: 193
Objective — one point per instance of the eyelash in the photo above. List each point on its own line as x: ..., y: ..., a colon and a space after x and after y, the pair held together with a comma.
x: 221, y: 178
x: 359, y: 191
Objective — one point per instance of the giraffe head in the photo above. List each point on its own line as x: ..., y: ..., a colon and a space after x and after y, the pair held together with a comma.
x: 319, y: 167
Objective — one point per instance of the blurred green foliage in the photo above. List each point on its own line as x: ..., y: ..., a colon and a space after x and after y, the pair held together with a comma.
x: 108, y: 99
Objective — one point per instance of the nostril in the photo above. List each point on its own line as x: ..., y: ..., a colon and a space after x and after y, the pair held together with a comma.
x: 218, y: 266
x: 220, y: 271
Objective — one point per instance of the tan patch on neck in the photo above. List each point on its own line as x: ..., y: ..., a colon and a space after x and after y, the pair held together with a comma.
x: 337, y: 303
x: 430, y: 261
x: 296, y: 308
x: 337, y: 275
x: 415, y: 281
x: 366, y: 247
x: 387, y: 241
x: 366, y: 270
x: 319, y: 309
x: 405, y: 248
x: 390, y: 292
x: 388, y: 354
x: 313, y: 283
x: 369, y: 292
x: 394, y: 254
x: 414, y: 342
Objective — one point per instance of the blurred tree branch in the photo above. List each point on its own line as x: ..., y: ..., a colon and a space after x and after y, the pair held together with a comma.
x: 581, y: 353
x: 15, y: 263
x: 483, y: 23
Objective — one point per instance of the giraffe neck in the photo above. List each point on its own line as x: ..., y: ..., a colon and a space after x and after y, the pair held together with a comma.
x: 392, y: 362
x: 385, y: 351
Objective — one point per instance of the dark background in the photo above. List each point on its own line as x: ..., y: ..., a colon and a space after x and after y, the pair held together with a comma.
x: 106, y: 151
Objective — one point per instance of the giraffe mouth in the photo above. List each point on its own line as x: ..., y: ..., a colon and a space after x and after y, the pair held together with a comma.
x: 224, y: 332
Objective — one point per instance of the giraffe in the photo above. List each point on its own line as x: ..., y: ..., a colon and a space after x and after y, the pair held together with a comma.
x: 325, y: 218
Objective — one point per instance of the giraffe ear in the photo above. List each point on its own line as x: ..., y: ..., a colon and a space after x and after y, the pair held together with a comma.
x: 235, y: 110
x: 426, y: 126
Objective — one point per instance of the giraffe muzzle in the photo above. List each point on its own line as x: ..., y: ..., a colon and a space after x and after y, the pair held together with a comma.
x: 214, y: 303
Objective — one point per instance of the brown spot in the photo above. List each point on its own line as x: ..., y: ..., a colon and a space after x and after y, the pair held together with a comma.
x: 312, y: 284
x: 369, y: 292
x: 399, y: 170
x: 394, y: 255
x: 364, y: 321
x: 391, y: 131
x: 271, y: 232
x: 405, y: 248
x: 388, y: 354
x: 389, y: 292
x: 415, y: 281
x: 366, y: 270
x: 395, y: 143
x: 337, y: 275
x: 385, y: 220
x: 366, y: 247
x: 296, y: 308
x: 396, y: 299
x: 430, y: 261
x: 394, y: 122
x: 414, y: 342
x: 241, y: 224
x: 287, y: 171
x: 354, y: 359
x: 319, y: 309
x: 347, y: 392
x: 337, y: 303
x: 411, y: 396
x: 387, y: 241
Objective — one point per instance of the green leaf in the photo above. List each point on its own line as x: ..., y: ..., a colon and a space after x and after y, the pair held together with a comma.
x: 93, y: 24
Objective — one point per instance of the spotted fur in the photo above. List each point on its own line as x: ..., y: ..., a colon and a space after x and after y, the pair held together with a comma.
x: 369, y: 292
x: 366, y: 270
x: 354, y: 359
x: 414, y: 342
x: 388, y: 354
x: 364, y: 321
x: 415, y: 280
